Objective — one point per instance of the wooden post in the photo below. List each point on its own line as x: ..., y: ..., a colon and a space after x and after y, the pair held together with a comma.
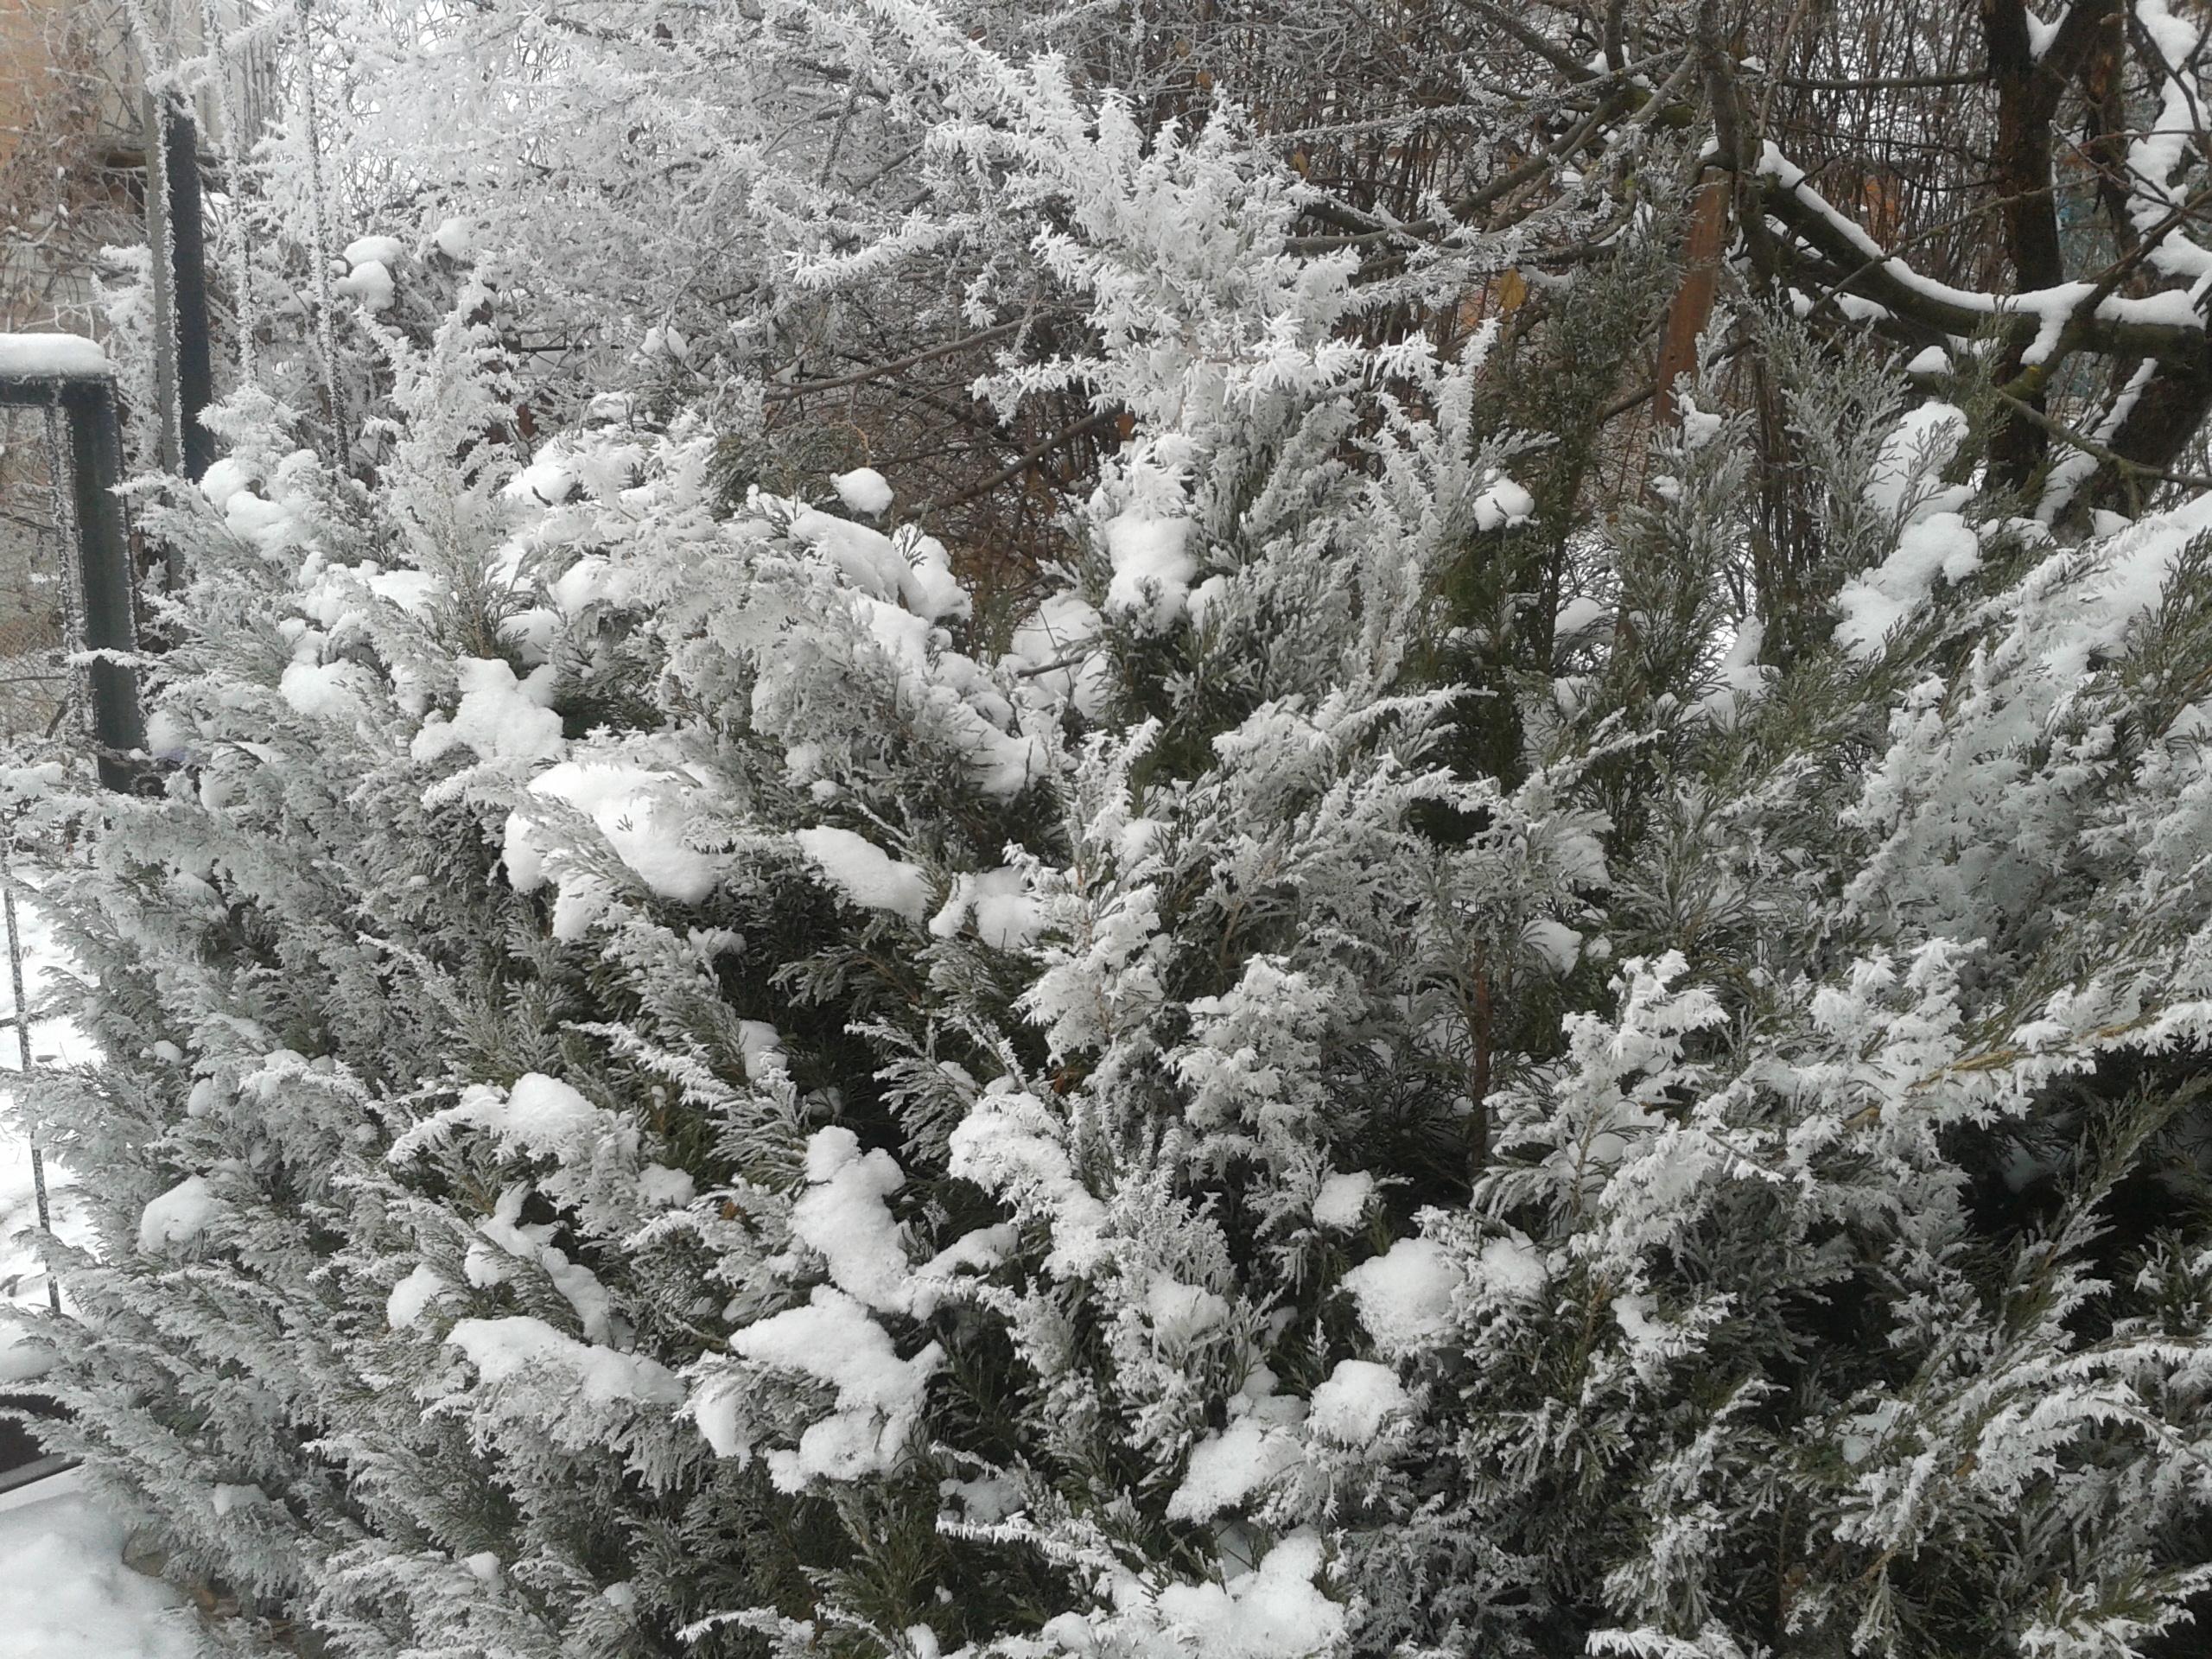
x: 1693, y: 303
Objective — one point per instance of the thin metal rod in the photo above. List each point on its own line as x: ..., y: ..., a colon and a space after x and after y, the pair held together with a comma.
x: 24, y: 1052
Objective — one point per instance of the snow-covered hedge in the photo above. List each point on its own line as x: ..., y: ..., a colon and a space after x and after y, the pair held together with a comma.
x: 672, y: 1088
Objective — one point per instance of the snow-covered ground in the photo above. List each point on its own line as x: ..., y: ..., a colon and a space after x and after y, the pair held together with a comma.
x: 65, y: 1592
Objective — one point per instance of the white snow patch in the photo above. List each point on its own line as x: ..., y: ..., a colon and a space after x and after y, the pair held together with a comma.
x: 1502, y: 505
x: 178, y: 1216
x: 1917, y: 449
x: 374, y: 250
x: 1181, y: 1313
x: 920, y: 578
x: 1742, y: 679
x: 539, y: 1117
x: 65, y: 1592
x: 1272, y: 1612
x: 1152, y: 568
x: 1875, y: 602
x: 1052, y: 650
x: 878, y: 1395
x: 866, y: 874
x: 1011, y: 1144
x: 1343, y: 1199
x: 456, y: 238
x: 639, y: 813
x: 318, y: 690
x: 660, y: 1187
x: 1509, y: 1267
x: 71, y: 356
x: 411, y: 1297
x: 1358, y: 1398
x: 499, y: 717
x: 1404, y: 1296
x: 1553, y: 944
x: 507, y: 1349
x: 1007, y: 917
x: 368, y: 284
x: 1580, y: 617
x: 843, y: 1218
x: 1227, y: 1468
x: 863, y: 490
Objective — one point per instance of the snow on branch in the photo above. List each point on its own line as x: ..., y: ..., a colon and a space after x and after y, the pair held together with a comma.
x: 2169, y: 324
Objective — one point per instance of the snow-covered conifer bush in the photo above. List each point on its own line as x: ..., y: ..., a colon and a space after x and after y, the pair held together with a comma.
x: 1380, y: 1065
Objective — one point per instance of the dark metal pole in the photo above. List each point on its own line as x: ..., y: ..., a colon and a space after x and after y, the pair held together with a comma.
x: 195, y: 374
x: 71, y: 372
x: 103, y: 575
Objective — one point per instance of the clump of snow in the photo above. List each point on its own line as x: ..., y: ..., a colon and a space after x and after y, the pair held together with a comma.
x: 1741, y: 678
x: 1509, y: 1266
x: 1052, y: 650
x: 539, y: 1117
x: 660, y: 1187
x: 665, y: 339
x: 1503, y: 505
x: 1699, y: 427
x: 1343, y: 1199
x: 178, y: 1216
x: 915, y: 571
x: 636, y: 810
x: 546, y: 1117
x: 412, y: 591
x: 226, y: 1496
x: 506, y: 1350
x: 39, y: 356
x: 866, y: 874
x: 1272, y: 1612
x: 1872, y: 604
x: 412, y: 1296
x: 762, y: 1046
x: 1007, y: 916
x: 1356, y: 1400
x: 379, y: 249
x: 878, y: 1395
x: 499, y: 717
x: 1227, y: 1468
x: 22, y: 1357
x: 318, y: 690
x: 456, y: 238
x: 1011, y: 1144
x: 1181, y: 1313
x: 1917, y: 449
x: 1405, y: 1295
x: 225, y: 476
x: 863, y: 490
x: 1152, y: 568
x: 1553, y: 945
x: 369, y: 285
x: 844, y: 1219
x: 1580, y: 617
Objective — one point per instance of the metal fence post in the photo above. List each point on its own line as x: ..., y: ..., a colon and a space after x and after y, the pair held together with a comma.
x: 37, y: 372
